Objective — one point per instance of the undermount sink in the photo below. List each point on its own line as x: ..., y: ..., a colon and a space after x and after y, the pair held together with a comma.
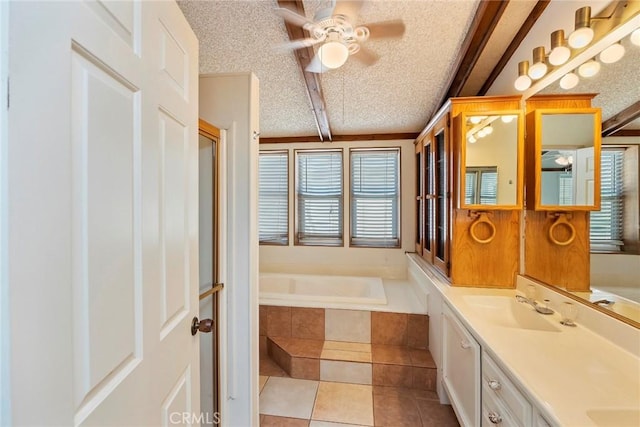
x: 615, y: 417
x: 507, y: 312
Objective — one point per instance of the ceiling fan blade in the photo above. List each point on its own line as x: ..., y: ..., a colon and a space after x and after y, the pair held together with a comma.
x: 315, y: 66
x: 348, y: 8
x: 292, y: 17
x: 297, y: 44
x: 384, y: 29
x: 366, y: 56
x: 323, y: 14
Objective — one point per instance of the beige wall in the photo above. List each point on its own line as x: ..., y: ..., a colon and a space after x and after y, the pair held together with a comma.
x: 390, y: 263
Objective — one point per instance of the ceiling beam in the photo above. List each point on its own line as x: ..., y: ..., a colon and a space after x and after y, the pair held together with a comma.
x: 627, y: 132
x: 484, y: 22
x: 342, y: 138
x: 616, y: 123
x: 536, y: 12
x: 311, y: 80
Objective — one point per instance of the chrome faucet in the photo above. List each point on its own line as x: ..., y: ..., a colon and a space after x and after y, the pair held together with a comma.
x: 542, y: 309
x: 605, y: 302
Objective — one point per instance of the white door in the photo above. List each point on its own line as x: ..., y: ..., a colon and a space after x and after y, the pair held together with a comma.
x: 103, y: 243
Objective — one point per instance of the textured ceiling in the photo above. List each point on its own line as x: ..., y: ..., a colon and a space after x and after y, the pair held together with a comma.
x: 403, y: 89
x: 397, y: 94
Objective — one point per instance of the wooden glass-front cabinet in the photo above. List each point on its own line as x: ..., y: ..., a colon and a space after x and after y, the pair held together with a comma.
x: 446, y: 236
x: 435, y: 195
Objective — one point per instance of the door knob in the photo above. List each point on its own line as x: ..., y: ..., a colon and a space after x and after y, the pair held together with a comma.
x: 204, y: 325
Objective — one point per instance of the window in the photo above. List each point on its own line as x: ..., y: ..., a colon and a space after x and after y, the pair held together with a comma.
x: 607, y: 224
x: 375, y: 197
x: 273, y: 199
x: 319, y: 197
x: 481, y: 185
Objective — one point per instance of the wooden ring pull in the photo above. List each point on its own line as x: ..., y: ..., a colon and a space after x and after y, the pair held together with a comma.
x: 482, y: 218
x: 562, y: 220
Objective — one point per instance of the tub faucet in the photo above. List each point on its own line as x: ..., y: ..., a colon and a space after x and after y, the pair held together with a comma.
x: 542, y: 309
x: 604, y: 302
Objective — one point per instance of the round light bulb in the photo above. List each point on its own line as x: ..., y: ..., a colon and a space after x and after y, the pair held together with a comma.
x: 559, y: 55
x: 333, y: 54
x: 635, y: 37
x: 481, y: 133
x: 612, y: 54
x: 522, y: 83
x: 589, y: 68
x: 475, y: 119
x: 580, y: 37
x: 507, y: 119
x: 471, y: 139
x: 537, y: 70
x: 488, y: 130
x: 569, y: 81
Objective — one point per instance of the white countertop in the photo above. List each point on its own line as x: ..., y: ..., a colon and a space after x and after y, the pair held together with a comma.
x: 564, y: 374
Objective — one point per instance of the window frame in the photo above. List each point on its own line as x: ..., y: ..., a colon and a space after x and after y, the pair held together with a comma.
x: 612, y: 246
x: 288, y: 198
x: 398, y: 244
x: 319, y: 241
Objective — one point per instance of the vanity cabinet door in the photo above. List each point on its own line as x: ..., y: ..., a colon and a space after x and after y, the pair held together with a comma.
x: 461, y: 369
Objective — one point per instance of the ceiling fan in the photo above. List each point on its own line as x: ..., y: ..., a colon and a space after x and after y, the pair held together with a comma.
x: 332, y: 28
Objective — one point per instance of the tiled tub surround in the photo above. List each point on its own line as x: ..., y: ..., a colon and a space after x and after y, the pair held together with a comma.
x: 379, y: 348
x: 364, y: 368
x: 588, y: 375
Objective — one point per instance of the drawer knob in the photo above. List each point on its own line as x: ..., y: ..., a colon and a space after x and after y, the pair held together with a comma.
x: 494, y: 418
x: 465, y: 344
x: 495, y: 385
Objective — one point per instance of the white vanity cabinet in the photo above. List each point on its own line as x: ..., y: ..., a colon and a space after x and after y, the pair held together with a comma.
x: 481, y: 393
x: 461, y: 369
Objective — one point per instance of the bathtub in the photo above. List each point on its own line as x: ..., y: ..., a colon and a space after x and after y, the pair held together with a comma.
x: 315, y: 290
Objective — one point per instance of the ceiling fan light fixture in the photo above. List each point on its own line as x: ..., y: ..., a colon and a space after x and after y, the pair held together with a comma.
x: 589, y: 68
x: 635, y: 37
x: 333, y: 54
x: 523, y: 82
x: 471, y: 139
x: 569, y: 81
x: 583, y: 34
x: 488, y: 130
x: 612, y: 54
x: 539, y: 67
x: 560, y: 52
x: 362, y: 33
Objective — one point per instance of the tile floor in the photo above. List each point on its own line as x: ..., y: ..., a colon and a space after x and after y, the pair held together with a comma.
x: 290, y: 402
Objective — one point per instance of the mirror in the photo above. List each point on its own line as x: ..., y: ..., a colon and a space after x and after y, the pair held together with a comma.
x: 568, y: 159
x: 491, y: 153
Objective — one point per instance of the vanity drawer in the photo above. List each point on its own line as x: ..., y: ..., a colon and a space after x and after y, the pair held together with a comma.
x: 497, y: 386
x: 494, y: 413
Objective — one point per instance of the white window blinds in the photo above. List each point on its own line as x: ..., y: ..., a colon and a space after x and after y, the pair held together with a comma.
x: 375, y: 198
x: 319, y: 197
x: 607, y: 224
x: 273, y: 197
x: 481, y: 185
